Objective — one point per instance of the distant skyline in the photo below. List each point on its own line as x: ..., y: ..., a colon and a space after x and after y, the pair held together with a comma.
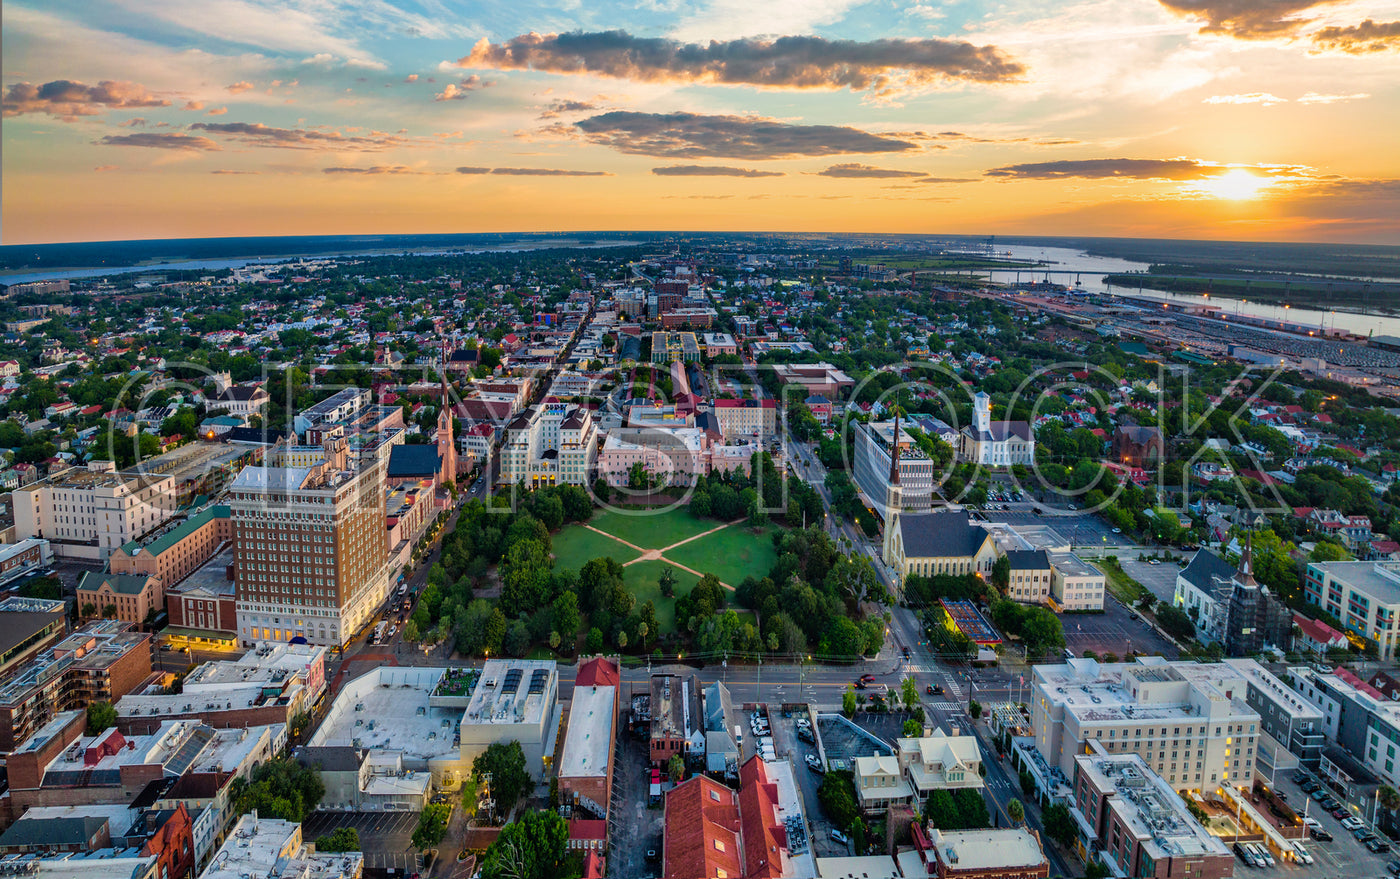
x: 1233, y: 119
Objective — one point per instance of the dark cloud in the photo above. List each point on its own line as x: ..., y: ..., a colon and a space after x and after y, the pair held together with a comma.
x: 696, y: 136
x: 548, y: 172
x: 711, y: 171
x: 558, y: 107
x: 374, y: 169
x: 791, y: 62
x: 1095, y: 169
x: 1248, y: 19
x: 1361, y: 39
x: 856, y: 169
x: 160, y: 141
x: 258, y: 134
x: 531, y: 172
x: 68, y: 100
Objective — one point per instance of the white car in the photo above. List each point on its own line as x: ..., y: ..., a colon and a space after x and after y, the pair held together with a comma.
x: 1352, y: 822
x: 1303, y: 854
x: 840, y: 837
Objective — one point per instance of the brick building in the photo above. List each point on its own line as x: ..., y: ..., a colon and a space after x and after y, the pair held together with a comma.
x: 1005, y: 853
x: 586, y: 764
x: 675, y: 717
x: 179, y: 552
x: 711, y: 830
x: 100, y: 662
x: 1137, y: 446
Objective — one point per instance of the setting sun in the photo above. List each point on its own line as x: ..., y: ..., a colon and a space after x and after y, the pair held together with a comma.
x: 1236, y: 184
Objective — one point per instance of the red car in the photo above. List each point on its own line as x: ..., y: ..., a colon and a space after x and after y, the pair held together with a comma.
x: 867, y: 679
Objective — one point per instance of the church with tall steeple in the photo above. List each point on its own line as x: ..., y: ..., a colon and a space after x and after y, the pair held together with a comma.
x: 894, y: 502
x: 446, y: 442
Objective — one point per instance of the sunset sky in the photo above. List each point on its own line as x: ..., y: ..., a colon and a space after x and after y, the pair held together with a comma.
x: 1242, y: 119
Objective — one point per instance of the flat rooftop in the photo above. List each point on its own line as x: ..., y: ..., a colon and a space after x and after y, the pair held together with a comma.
x: 211, y: 578
x: 192, y: 460
x: 588, y: 742
x: 95, y: 647
x: 1376, y: 579
x: 513, y: 691
x: 1096, y: 692
x: 1150, y: 808
x: 263, y: 847
x: 1280, y: 694
x: 1072, y: 565
x: 1006, y: 848
x: 388, y: 709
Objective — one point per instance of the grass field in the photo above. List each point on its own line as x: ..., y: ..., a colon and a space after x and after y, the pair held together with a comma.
x: 652, y: 531
x: 732, y: 554
x: 575, y: 546
x: 643, y: 580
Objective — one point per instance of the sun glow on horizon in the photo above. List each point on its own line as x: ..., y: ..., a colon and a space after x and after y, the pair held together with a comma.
x: 1237, y: 184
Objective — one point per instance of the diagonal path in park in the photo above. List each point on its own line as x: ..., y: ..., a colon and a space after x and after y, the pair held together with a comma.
x: 659, y: 555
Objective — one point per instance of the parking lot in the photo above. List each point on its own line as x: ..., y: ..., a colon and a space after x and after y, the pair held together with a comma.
x: 1080, y: 528
x: 785, y: 730
x: 1344, y: 856
x: 1160, y: 579
x: 1113, y: 631
x: 384, y: 836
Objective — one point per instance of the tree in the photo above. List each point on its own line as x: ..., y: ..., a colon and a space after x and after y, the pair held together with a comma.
x: 535, y: 847
x: 675, y: 768
x: 1388, y: 798
x: 1058, y: 824
x: 848, y: 702
x: 505, y: 763
x: 410, y: 631
x: 941, y: 811
x: 594, y: 642
x: 567, y: 617
x: 109, y: 612
x: 100, y: 716
x: 667, y: 582
x: 342, y: 839
x: 89, y: 610
x: 1001, y: 573
x: 972, y: 808
x: 517, y: 640
x: 432, y: 826
x: 974, y: 709
x: 909, y: 692
x: 1015, y: 811
x: 913, y: 729
x: 282, y: 789
x: 837, y: 795
x: 1175, y: 622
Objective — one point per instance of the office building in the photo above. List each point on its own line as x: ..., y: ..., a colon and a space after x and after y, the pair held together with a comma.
x: 746, y: 418
x: 874, y: 443
x: 1285, y: 714
x: 1139, y: 825
x: 1365, y: 596
x: 939, y: 762
x: 310, y: 550
x: 814, y: 378
x: 24, y: 557
x: 1188, y: 721
x: 87, y: 513
x: 515, y: 700
x: 1004, y: 853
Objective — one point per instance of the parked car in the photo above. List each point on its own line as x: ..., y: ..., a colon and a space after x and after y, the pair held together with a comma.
x: 1303, y: 854
x: 1378, y: 845
x: 1393, y: 867
x: 1244, y: 855
x: 1320, y: 834
x: 1339, y: 814
x: 814, y: 763
x: 1351, y: 822
x: 838, y: 836
x: 1263, y: 852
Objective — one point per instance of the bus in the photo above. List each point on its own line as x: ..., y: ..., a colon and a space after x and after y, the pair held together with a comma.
x: 379, y: 632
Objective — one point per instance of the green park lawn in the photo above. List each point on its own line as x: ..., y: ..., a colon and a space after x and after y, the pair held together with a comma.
x: 576, y: 546
x: 643, y: 580
x: 731, y: 555
x: 652, y: 530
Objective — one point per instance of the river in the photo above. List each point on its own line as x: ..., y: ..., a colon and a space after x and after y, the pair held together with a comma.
x: 1095, y: 267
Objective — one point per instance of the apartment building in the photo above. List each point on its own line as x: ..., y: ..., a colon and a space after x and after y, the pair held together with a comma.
x: 310, y: 550
x: 553, y: 443
x: 1365, y: 596
x: 1075, y: 584
x: 29, y: 626
x: 746, y: 418
x: 340, y: 406
x: 874, y: 445
x: 1292, y: 719
x: 20, y: 558
x: 1188, y: 721
x: 88, y: 513
x: 1136, y: 822
x: 1030, y: 576
x: 1364, y: 724
x: 101, y: 662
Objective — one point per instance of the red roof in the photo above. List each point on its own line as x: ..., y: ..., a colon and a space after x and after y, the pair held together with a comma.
x: 765, y: 839
x: 728, y: 403
x: 587, y: 829
x: 592, y: 865
x: 702, y: 830
x: 1317, y: 630
x: 598, y: 672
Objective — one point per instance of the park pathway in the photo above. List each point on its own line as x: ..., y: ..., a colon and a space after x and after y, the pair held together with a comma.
x: 659, y: 555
